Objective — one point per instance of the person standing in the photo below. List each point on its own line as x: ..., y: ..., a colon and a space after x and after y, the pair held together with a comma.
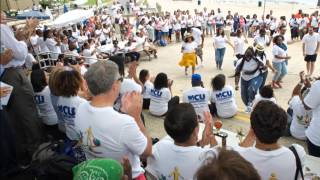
x: 249, y: 68
x: 21, y: 107
x: 310, y: 47
x: 219, y: 44
x: 189, y: 53
x: 199, y: 39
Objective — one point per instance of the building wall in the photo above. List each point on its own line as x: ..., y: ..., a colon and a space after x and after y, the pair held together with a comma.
x: 17, y: 4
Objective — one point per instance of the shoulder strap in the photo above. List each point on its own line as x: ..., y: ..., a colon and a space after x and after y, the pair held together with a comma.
x: 298, y: 163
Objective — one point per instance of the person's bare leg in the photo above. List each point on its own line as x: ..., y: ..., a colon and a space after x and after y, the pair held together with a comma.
x: 186, y: 71
x: 193, y: 69
x: 308, y: 68
x: 311, y: 68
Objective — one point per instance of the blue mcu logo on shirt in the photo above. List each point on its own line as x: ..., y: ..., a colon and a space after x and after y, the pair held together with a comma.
x: 197, y: 98
x: 224, y: 95
x: 156, y: 93
x: 69, y: 112
x: 39, y: 99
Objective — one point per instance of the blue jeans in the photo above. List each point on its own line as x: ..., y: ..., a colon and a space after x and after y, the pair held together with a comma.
x: 249, y: 89
x: 281, y: 68
x: 219, y: 54
x: 264, y: 78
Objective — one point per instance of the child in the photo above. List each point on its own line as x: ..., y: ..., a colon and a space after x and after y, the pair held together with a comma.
x: 181, y: 158
x: 265, y: 93
x: 189, y: 53
x: 144, y: 78
x: 223, y: 102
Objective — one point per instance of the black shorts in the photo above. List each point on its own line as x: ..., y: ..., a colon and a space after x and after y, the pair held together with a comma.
x: 310, y: 58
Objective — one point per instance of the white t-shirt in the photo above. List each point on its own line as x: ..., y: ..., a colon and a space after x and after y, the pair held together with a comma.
x: 146, y: 89
x: 199, y: 98
x: 42, y: 45
x: 197, y: 35
x: 44, y: 105
x: 259, y: 98
x: 189, y: 47
x: 249, y: 66
x: 298, y: 125
x: 312, y: 100
x: 276, y: 50
x: 52, y: 45
x: 219, y: 42
x: 89, y: 57
x: 225, y: 102
x: 159, y: 101
x: 239, y: 47
x: 67, y: 108
x: 105, y: 133
x: 261, y: 40
x: 280, y: 162
x: 171, y: 162
x: 310, y: 43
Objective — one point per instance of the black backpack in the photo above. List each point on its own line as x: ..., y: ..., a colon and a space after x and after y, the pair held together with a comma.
x: 52, y: 161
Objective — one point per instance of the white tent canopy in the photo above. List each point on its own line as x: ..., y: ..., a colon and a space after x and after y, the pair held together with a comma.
x: 79, y: 2
x: 71, y: 17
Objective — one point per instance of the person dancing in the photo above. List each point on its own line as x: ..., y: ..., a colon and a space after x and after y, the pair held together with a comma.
x: 189, y: 56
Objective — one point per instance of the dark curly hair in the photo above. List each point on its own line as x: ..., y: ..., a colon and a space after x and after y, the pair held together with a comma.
x: 268, y: 121
x: 161, y: 81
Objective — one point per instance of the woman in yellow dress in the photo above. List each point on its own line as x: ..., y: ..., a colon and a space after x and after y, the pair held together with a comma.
x: 189, y: 56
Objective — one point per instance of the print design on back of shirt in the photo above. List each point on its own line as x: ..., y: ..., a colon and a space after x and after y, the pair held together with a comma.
x: 197, y: 98
x: 176, y: 174
x: 39, y: 99
x: 224, y: 95
x: 273, y: 176
x: 90, y: 142
x: 68, y: 112
x: 156, y: 93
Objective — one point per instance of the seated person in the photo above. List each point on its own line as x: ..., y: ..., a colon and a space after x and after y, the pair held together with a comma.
x: 223, y: 102
x: 44, y: 105
x: 181, y: 157
x: 227, y: 165
x: 265, y: 93
x: 144, y: 77
x: 131, y: 52
x: 106, y: 133
x: 142, y: 41
x: 261, y: 147
x: 67, y: 86
x: 161, y: 101
x: 89, y: 55
x: 300, y: 116
x: 198, y: 96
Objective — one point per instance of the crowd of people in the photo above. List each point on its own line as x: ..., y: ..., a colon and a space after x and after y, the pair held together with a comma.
x: 87, y: 98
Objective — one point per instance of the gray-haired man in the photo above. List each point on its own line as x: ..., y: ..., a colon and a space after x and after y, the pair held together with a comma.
x: 105, y: 132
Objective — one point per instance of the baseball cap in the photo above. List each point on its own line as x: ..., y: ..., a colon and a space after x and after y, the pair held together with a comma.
x: 196, y: 78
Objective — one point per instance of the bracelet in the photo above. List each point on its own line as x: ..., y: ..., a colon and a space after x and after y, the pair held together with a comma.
x: 300, y: 84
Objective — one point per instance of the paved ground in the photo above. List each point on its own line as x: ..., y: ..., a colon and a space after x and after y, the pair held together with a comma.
x: 170, y: 55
